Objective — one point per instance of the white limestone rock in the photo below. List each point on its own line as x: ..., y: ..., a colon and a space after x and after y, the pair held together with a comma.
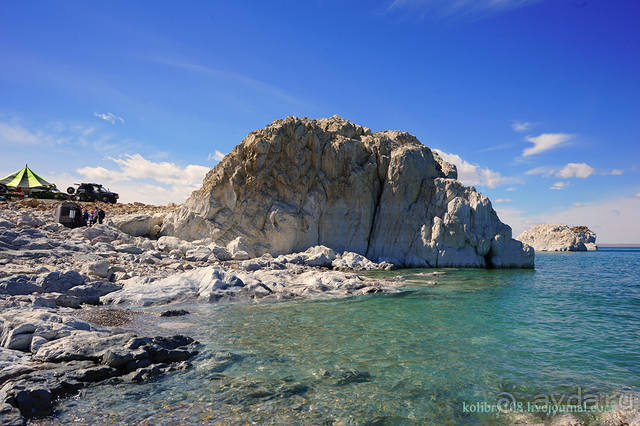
x: 20, y: 328
x: 300, y: 183
x: 168, y: 244
x: 99, y: 269
x: 197, y: 283
x: 357, y: 262
x: 138, y: 224
x: 550, y: 237
x: 30, y: 221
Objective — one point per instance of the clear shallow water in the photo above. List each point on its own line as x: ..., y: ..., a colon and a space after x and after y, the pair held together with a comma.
x: 571, y: 328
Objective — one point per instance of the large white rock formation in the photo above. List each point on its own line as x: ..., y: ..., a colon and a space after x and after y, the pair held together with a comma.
x: 299, y: 183
x: 549, y: 237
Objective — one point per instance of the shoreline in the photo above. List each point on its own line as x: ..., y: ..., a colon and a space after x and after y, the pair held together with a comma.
x: 56, y: 338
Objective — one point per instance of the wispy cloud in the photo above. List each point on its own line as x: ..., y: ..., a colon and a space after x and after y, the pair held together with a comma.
x: 637, y: 195
x: 559, y: 185
x: 14, y: 133
x: 497, y: 147
x: 475, y: 175
x: 615, y: 172
x: 255, y: 84
x: 109, y: 116
x: 216, y: 156
x: 448, y: 8
x: 522, y: 126
x: 502, y: 200
x: 545, y: 142
x: 542, y: 170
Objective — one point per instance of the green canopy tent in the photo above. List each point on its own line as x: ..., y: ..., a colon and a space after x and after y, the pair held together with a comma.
x: 26, y: 179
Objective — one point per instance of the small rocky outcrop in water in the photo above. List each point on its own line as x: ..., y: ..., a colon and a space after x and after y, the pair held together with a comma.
x: 300, y: 183
x: 548, y: 237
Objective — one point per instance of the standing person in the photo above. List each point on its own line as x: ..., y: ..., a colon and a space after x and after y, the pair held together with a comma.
x: 85, y: 218
x: 92, y: 218
x: 101, y: 215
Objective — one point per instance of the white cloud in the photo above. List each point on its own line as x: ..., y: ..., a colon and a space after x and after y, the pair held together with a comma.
x: 148, y: 181
x: 502, y: 200
x: 217, y: 156
x: 545, y: 142
x: 110, y: 117
x: 559, y: 185
x: 474, y: 175
x: 570, y: 170
x: 616, y: 172
x: 521, y: 126
x: 637, y: 195
x: 578, y: 170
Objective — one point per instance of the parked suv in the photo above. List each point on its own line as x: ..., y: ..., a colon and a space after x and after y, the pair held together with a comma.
x: 93, y: 192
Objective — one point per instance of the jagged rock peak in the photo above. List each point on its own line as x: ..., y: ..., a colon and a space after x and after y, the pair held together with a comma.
x: 298, y: 183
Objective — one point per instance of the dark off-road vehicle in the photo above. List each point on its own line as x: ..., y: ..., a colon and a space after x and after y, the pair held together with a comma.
x: 93, y: 192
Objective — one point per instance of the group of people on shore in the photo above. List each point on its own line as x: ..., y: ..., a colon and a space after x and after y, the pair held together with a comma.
x: 93, y: 216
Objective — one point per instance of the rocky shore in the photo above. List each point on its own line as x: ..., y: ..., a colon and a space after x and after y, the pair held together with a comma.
x: 295, y: 211
x: 56, y: 333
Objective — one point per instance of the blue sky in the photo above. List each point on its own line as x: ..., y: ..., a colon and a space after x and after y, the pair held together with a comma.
x: 538, y: 102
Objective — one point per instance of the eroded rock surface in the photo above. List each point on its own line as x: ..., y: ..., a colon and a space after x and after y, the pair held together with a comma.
x: 300, y: 183
x: 46, y: 354
x: 549, y: 237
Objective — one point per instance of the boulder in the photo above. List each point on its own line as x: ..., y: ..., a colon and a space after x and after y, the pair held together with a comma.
x: 30, y: 221
x: 168, y: 244
x: 98, y: 269
x: 138, y: 225
x: 550, y: 237
x: 239, y: 249
x: 357, y: 262
x: 300, y: 183
x: 199, y: 254
x: 20, y: 328
x: 128, y: 248
x: 198, y: 283
x: 59, y: 282
x: 18, y: 285
x: 221, y: 253
x: 6, y: 224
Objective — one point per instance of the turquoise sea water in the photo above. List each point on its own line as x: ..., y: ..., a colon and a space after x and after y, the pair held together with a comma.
x: 570, y: 330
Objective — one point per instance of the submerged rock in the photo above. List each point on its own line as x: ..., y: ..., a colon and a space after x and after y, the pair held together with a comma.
x: 174, y: 313
x: 549, y: 237
x: 62, y: 366
x: 300, y: 183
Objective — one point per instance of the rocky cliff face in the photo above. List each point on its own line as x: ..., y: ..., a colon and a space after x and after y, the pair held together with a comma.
x: 548, y: 237
x: 299, y: 183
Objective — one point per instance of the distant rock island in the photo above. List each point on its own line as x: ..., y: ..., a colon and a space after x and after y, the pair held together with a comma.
x: 548, y: 237
x: 300, y: 183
